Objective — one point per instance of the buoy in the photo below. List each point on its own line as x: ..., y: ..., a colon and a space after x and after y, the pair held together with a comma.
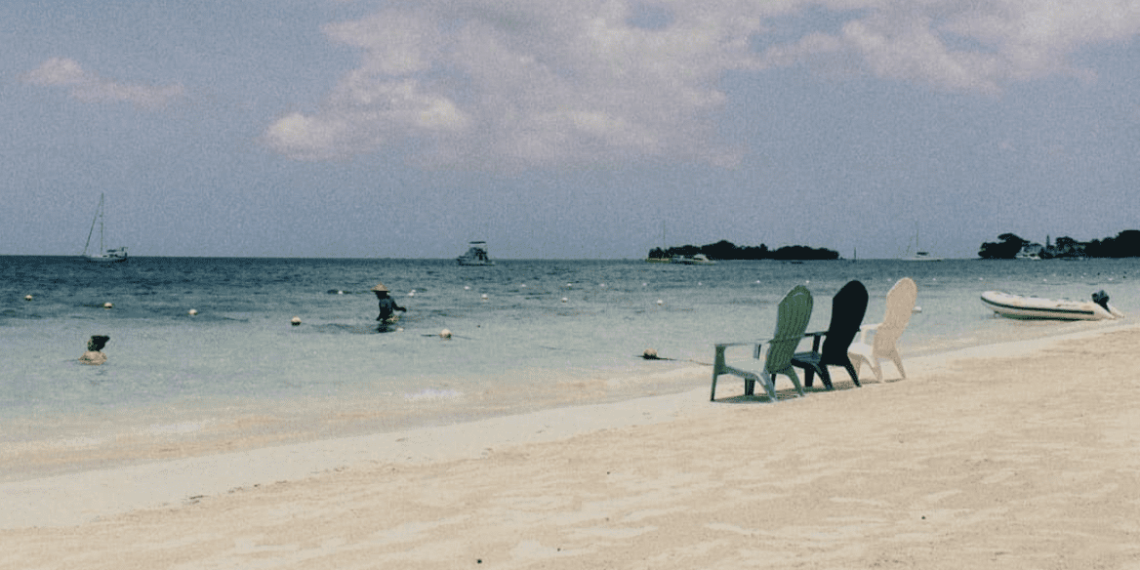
x: 193, y: 312
x: 564, y: 299
x: 27, y: 297
x: 444, y: 333
x: 108, y: 305
x: 295, y: 320
x: 484, y: 297
x: 660, y: 302
x: 466, y: 287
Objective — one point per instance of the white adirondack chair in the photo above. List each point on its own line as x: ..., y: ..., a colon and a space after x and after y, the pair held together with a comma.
x: 884, y: 346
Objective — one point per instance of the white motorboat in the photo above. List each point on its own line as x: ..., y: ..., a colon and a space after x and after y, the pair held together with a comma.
x: 1022, y: 307
x: 476, y: 255
x: 698, y: 259
x: 118, y: 254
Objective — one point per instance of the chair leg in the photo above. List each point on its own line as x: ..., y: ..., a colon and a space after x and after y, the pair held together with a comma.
x: 877, y: 369
x: 749, y: 387
x: 898, y: 364
x: 718, y: 368
x: 769, y: 381
x: 825, y: 376
x: 809, y: 376
x: 854, y: 375
x: 791, y: 373
x: 856, y: 363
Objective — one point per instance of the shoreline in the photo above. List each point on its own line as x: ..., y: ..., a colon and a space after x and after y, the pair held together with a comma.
x: 52, y: 501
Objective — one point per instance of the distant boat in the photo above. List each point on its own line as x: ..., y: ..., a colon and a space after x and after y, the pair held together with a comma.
x: 918, y: 255
x: 922, y: 256
x: 476, y: 255
x: 698, y: 259
x: 657, y: 254
x: 102, y: 255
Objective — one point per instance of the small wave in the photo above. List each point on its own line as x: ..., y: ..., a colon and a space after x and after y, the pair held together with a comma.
x: 433, y: 394
x: 178, y: 428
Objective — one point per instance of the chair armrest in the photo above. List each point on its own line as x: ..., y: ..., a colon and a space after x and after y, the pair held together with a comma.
x: 720, y: 346
x: 816, y: 336
x: 863, y: 330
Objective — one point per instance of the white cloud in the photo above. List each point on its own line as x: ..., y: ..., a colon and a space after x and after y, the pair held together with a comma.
x: 962, y: 45
x: 87, y: 86
x: 522, y: 83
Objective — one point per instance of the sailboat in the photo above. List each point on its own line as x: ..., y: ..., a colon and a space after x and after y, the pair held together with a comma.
x: 657, y: 254
x: 919, y: 254
x: 102, y: 255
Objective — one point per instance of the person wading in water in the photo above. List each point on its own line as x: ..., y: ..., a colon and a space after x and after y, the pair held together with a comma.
x: 387, y: 305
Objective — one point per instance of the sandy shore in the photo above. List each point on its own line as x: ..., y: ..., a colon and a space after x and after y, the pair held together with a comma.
x: 1023, y: 455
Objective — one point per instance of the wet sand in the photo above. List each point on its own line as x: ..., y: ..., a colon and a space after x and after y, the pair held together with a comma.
x: 1021, y: 455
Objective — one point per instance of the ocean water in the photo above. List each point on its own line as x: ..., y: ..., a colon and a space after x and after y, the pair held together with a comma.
x: 525, y: 335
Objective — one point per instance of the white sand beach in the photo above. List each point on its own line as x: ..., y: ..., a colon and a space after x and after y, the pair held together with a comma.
x: 1020, y: 455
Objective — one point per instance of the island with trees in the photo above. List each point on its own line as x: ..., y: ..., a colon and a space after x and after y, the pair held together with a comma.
x: 1012, y: 246
x: 725, y: 250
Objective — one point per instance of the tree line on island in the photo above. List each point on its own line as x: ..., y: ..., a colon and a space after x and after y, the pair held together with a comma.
x: 1008, y: 246
x: 726, y: 250
x: 1012, y: 246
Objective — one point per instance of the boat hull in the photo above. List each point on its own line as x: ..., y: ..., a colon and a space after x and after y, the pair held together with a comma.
x: 111, y: 256
x: 104, y: 259
x: 476, y: 256
x: 1021, y: 307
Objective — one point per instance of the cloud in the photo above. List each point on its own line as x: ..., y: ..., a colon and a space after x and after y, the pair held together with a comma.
x: 87, y: 86
x: 516, y: 83
x: 965, y: 46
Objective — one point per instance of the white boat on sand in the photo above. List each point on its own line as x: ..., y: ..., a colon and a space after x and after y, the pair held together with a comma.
x: 1022, y: 307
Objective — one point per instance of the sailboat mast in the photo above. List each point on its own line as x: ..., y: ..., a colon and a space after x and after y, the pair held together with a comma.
x: 92, y: 230
x: 102, y: 247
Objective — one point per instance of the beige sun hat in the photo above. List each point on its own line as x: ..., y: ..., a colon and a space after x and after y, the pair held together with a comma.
x: 380, y: 288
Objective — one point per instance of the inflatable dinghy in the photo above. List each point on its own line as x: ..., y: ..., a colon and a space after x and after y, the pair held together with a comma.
x: 1022, y: 307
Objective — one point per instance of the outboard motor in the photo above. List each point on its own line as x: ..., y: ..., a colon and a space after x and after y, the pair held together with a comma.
x: 1101, y: 298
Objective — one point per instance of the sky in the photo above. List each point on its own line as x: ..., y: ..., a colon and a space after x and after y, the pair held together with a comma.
x: 576, y: 129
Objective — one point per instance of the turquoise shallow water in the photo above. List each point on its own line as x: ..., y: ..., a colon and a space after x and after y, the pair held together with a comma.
x: 526, y: 335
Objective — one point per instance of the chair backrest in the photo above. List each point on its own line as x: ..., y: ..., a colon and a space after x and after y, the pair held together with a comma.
x: 847, y: 310
x: 900, y: 305
x: 792, y: 318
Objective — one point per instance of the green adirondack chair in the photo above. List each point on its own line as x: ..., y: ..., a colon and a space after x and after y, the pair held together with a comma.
x: 791, y: 321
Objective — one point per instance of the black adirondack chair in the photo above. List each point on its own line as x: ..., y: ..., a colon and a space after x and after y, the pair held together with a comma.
x: 847, y: 310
